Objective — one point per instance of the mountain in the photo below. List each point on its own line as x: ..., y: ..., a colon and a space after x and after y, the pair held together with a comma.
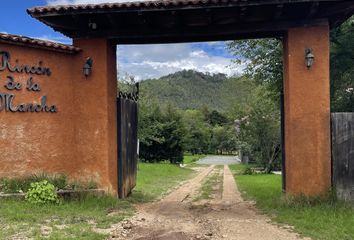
x: 193, y: 90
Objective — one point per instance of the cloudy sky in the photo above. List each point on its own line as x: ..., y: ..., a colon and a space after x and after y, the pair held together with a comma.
x: 141, y: 61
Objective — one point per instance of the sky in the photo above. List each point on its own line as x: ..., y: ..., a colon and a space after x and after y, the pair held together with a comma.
x: 140, y: 61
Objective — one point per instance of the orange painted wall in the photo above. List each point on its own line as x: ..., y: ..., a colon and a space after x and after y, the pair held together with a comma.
x: 96, y: 134
x: 307, y: 111
x: 80, y: 139
x: 32, y: 141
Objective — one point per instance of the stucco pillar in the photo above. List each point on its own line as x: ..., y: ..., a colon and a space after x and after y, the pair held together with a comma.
x: 307, y: 111
x: 96, y: 112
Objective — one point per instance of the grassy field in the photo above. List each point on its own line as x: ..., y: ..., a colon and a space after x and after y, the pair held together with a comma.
x: 69, y: 220
x: 188, y: 158
x: 77, y: 219
x: 156, y: 178
x: 324, y: 220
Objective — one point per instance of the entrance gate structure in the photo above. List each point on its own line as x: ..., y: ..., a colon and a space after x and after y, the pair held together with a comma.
x: 90, y: 122
x: 127, y: 126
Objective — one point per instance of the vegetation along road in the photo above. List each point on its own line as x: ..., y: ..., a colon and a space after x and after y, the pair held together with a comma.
x: 208, y: 206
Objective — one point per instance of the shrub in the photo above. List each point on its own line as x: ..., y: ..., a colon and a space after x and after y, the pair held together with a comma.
x: 248, y: 171
x: 161, y: 135
x: 15, y: 185
x: 41, y: 193
x: 91, y: 184
x: 10, y: 185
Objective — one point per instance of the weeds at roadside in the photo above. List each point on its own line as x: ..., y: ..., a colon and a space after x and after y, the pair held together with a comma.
x: 207, y: 189
x: 60, y: 181
x: 77, y: 216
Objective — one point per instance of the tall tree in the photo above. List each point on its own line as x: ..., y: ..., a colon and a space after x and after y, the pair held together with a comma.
x: 263, y: 61
x: 342, y: 67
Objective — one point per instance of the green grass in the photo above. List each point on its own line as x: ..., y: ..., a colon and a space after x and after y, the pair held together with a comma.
x: 188, y: 158
x: 326, y: 220
x: 207, y: 187
x: 154, y: 179
x: 60, y: 181
x: 239, y: 169
x: 76, y: 217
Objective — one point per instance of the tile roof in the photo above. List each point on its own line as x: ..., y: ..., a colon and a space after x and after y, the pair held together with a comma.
x: 148, y: 5
x: 166, y: 21
x: 37, y: 43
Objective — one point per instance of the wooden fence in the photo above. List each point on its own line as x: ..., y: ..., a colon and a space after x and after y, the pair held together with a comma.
x: 127, y: 145
x: 343, y: 155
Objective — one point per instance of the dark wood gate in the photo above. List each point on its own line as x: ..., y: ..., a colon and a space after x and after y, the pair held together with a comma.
x: 127, y: 143
x: 343, y: 154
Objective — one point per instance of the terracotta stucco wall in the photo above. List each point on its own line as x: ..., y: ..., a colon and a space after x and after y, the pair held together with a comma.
x: 307, y: 111
x: 97, y: 128
x: 80, y: 139
x: 33, y: 142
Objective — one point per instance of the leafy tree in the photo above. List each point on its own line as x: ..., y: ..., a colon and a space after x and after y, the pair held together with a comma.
x: 263, y: 61
x: 259, y: 132
x: 161, y: 135
x: 198, y: 133
x: 342, y: 67
x: 223, y: 140
x: 216, y: 118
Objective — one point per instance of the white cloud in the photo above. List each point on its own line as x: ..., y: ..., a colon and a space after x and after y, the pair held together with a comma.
x: 153, y: 61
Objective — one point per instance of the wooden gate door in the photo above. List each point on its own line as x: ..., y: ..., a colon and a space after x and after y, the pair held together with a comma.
x: 127, y: 144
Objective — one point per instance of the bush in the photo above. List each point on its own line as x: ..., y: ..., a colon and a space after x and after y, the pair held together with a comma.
x: 161, y: 136
x: 248, y: 171
x: 15, y: 185
x: 41, y: 193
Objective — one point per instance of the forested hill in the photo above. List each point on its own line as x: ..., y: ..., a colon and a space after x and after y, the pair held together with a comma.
x: 193, y: 90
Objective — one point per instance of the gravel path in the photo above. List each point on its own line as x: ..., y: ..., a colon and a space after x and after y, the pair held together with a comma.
x: 179, y: 216
x: 219, y: 160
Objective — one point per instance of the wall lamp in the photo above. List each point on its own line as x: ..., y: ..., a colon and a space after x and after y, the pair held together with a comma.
x: 310, y: 58
x: 88, y: 67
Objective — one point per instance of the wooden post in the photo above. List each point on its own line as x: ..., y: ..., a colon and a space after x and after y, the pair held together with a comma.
x: 343, y: 154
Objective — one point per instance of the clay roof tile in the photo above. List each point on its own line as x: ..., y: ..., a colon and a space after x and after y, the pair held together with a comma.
x: 22, y: 40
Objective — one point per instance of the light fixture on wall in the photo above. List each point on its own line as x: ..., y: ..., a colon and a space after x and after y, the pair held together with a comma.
x: 310, y: 58
x: 88, y: 67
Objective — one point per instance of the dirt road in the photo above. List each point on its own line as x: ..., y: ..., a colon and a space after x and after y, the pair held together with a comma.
x: 219, y: 160
x: 186, y: 215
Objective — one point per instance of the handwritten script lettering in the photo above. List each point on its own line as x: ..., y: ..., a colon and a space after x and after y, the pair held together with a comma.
x: 5, y: 64
x: 6, y: 104
x: 7, y: 99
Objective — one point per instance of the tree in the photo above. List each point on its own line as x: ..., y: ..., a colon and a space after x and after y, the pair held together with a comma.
x: 342, y: 67
x: 223, y: 140
x: 216, y: 118
x: 263, y: 61
x: 259, y: 132
x: 198, y: 133
x: 161, y: 135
